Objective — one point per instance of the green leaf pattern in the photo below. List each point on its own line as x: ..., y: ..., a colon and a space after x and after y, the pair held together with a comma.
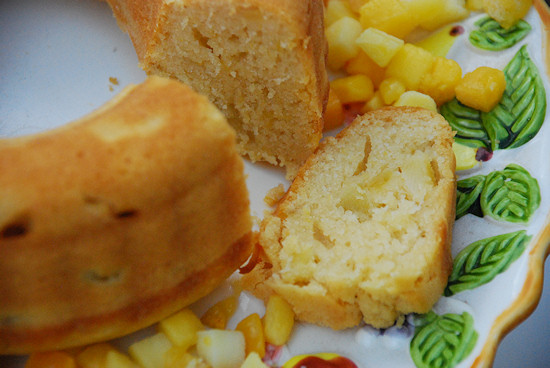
x: 481, y: 261
x: 491, y: 36
x: 511, y: 195
x: 514, y: 121
x: 442, y: 341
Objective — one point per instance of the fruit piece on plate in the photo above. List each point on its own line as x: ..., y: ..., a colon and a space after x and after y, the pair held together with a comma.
x: 150, y: 351
x: 353, y: 88
x: 337, y: 9
x: 507, y: 12
x: 440, y: 82
x: 376, y: 102
x: 341, y: 36
x: 465, y: 156
x: 379, y: 45
x: 474, y: 5
x: 390, y: 90
x: 410, y: 64
x: 278, y: 320
x: 116, y: 359
x: 334, y: 112
x: 253, y: 331
x: 363, y: 64
x: 415, y: 98
x: 253, y: 360
x: 440, y: 42
x: 181, y: 328
x: 94, y: 356
x: 219, y: 314
x: 391, y: 16
x: 221, y: 348
x: 447, y: 12
x: 482, y: 88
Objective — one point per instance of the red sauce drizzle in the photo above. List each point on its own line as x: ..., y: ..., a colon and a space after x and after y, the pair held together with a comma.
x: 316, y: 362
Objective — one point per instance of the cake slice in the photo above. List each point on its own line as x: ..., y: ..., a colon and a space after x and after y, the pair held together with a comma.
x: 262, y: 63
x: 364, y: 231
x: 117, y: 220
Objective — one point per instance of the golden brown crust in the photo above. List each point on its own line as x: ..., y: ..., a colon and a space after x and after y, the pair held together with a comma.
x: 107, y: 221
x: 303, y: 232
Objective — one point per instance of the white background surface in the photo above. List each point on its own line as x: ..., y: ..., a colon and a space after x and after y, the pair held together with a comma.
x: 56, y: 58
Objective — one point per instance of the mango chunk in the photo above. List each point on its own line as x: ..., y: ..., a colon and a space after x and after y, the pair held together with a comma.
x: 363, y: 64
x: 482, y: 88
x: 507, y: 12
x: 354, y: 88
x: 414, y: 98
x: 410, y: 64
x: 440, y: 82
x: 341, y: 36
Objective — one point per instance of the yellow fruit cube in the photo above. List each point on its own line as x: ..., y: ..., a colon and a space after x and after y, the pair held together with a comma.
x: 465, y: 156
x: 178, y: 357
x: 54, y: 359
x: 334, y: 112
x: 440, y: 42
x: 390, y: 16
x: 116, y: 359
x: 181, y: 328
x: 379, y: 46
x: 440, y: 82
x: 362, y: 64
x: 356, y: 5
x: 507, y: 12
x: 278, y: 320
x: 94, y: 356
x: 376, y: 102
x: 482, y: 88
x: 337, y: 9
x: 253, y: 360
x: 253, y: 332
x: 390, y: 90
x: 410, y: 64
x: 447, y: 12
x: 341, y: 36
x: 150, y: 351
x: 354, y: 88
x: 474, y: 5
x: 219, y: 314
x: 414, y: 98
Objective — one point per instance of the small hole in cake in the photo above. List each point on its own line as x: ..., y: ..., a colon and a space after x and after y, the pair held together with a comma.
x: 101, y: 277
x: 126, y: 214
x: 15, y: 229
x: 201, y: 39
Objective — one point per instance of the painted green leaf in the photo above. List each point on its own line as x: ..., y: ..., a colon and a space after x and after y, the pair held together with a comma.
x: 442, y: 341
x: 481, y: 261
x: 520, y: 113
x: 491, y: 36
x: 514, y: 121
x: 511, y: 195
x: 467, y: 124
x: 468, y: 194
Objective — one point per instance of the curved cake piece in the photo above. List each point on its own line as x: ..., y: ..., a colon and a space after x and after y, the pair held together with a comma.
x: 364, y: 231
x: 262, y: 63
x: 117, y: 220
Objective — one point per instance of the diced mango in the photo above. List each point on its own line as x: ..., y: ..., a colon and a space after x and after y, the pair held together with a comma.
x: 362, y: 64
x: 376, y: 102
x: 414, y: 98
x: 379, y: 45
x: 177, y: 357
x: 356, y: 5
x: 390, y: 90
x: 465, y: 156
x: 447, y: 12
x: 181, y: 328
x: 253, y: 360
x: 116, y: 359
x: 253, y: 332
x: 54, y: 359
x: 354, y: 88
x: 410, y: 64
x: 440, y: 42
x: 150, y: 351
x: 221, y: 348
x: 94, y: 356
x: 334, y: 112
x: 482, y: 88
x: 390, y: 16
x: 337, y: 9
x: 474, y: 5
x: 507, y: 12
x: 219, y: 314
x: 278, y: 320
x: 440, y: 82
x: 341, y: 36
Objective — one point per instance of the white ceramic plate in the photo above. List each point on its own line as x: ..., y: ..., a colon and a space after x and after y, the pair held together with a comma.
x: 60, y: 59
